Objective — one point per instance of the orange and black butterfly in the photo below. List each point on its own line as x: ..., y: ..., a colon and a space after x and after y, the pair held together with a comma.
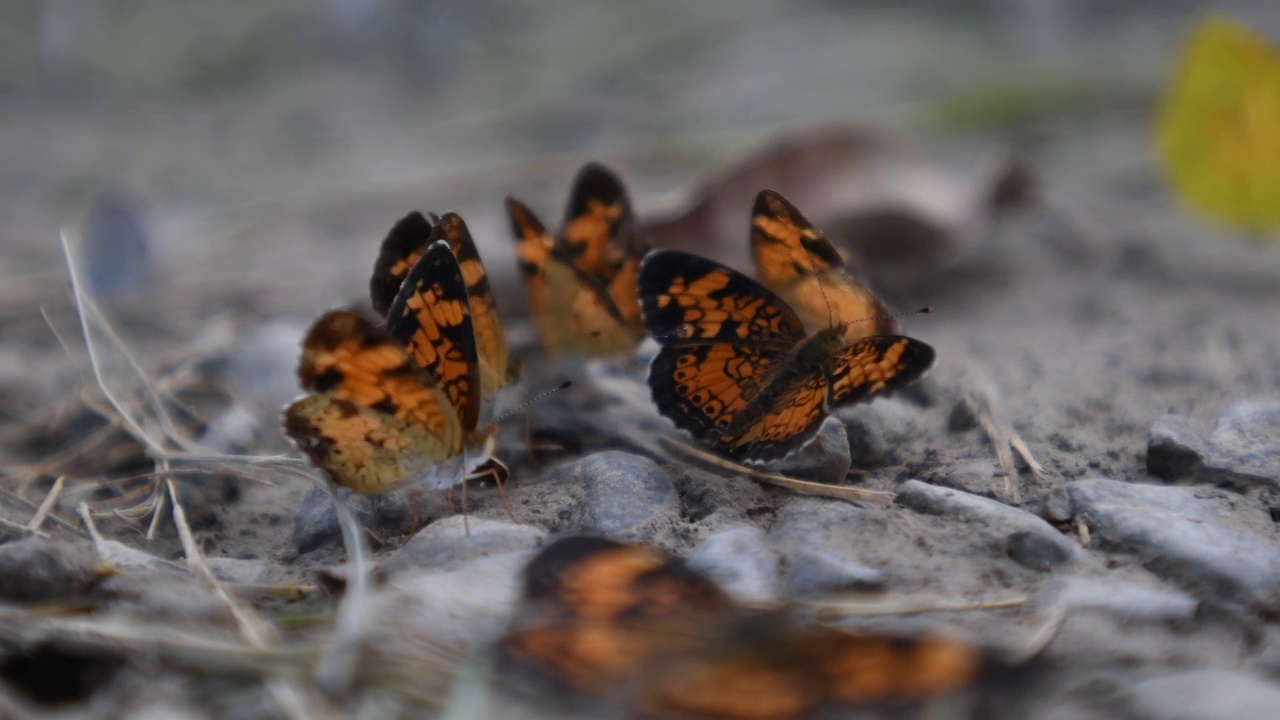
x: 582, y: 283
x: 627, y: 622
x: 795, y: 260
x: 400, y: 403
x: 737, y: 369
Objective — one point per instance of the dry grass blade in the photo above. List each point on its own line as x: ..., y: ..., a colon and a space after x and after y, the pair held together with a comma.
x: 803, y: 487
x: 46, y: 507
x: 336, y: 669
x: 837, y: 609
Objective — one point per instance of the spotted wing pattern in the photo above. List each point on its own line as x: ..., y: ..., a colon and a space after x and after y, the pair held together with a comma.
x: 582, y: 284
x: 877, y: 366
x: 689, y: 299
x: 491, y: 342
x: 400, y: 251
x: 431, y: 318
x: 736, y: 369
x: 374, y: 418
x: 794, y: 259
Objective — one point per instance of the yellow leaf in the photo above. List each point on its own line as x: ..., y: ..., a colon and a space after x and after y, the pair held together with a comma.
x: 1219, y: 129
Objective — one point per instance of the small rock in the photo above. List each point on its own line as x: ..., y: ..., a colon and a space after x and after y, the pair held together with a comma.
x: 961, y: 418
x: 446, y: 544
x: 818, y: 543
x: 1184, y: 538
x: 1055, y: 506
x: 1245, y: 446
x: 867, y: 447
x: 625, y: 495
x: 116, y: 250
x: 1037, y: 551
x: 462, y: 608
x: 813, y: 571
x: 1173, y: 450
x: 316, y: 522
x: 38, y: 570
x: 1243, y: 449
x: 1025, y: 537
x: 739, y: 560
x: 825, y: 459
x: 1126, y: 599
x: 1215, y: 693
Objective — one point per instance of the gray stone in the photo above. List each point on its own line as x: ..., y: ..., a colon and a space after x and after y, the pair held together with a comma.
x: 813, y: 571
x: 739, y: 560
x: 447, y: 544
x: 818, y: 543
x: 37, y: 570
x: 825, y: 459
x: 1038, y: 551
x: 1122, y: 598
x: 1174, y: 451
x: 1245, y: 446
x: 1208, y: 694
x: 116, y: 248
x: 625, y: 495
x: 1243, y: 449
x: 867, y: 447
x: 462, y: 608
x: 316, y: 522
x: 1026, y: 538
x: 1184, y: 538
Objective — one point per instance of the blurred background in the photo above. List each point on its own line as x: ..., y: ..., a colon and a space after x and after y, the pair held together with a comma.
x: 263, y: 148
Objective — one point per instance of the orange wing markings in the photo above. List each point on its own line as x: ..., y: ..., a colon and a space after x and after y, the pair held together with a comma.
x: 361, y: 448
x: 790, y: 419
x: 796, y: 260
x: 876, y: 366
x: 491, y: 341
x: 398, y: 254
x: 604, y: 619
x: 737, y: 370
x: 431, y: 318
x: 582, y: 283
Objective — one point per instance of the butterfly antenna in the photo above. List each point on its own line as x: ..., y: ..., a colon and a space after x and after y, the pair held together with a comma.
x: 927, y: 309
x: 530, y: 401
x: 813, y: 267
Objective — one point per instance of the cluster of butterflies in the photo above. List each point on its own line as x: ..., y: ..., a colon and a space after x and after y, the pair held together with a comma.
x: 408, y: 398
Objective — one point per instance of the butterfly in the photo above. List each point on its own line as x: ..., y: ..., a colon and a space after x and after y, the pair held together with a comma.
x: 737, y: 369
x: 582, y: 283
x: 604, y: 619
x: 1218, y: 133
x: 400, y: 403
x: 797, y: 261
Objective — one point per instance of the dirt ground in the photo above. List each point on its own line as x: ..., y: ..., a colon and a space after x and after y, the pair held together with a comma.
x: 1078, y: 321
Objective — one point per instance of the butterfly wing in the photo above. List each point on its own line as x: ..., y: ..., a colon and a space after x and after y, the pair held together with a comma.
x: 794, y: 259
x: 877, y: 366
x: 724, y: 339
x: 600, y: 233
x: 491, y: 342
x: 690, y: 300
x: 571, y: 309
x: 400, y: 251
x: 375, y: 419
x: 431, y: 318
